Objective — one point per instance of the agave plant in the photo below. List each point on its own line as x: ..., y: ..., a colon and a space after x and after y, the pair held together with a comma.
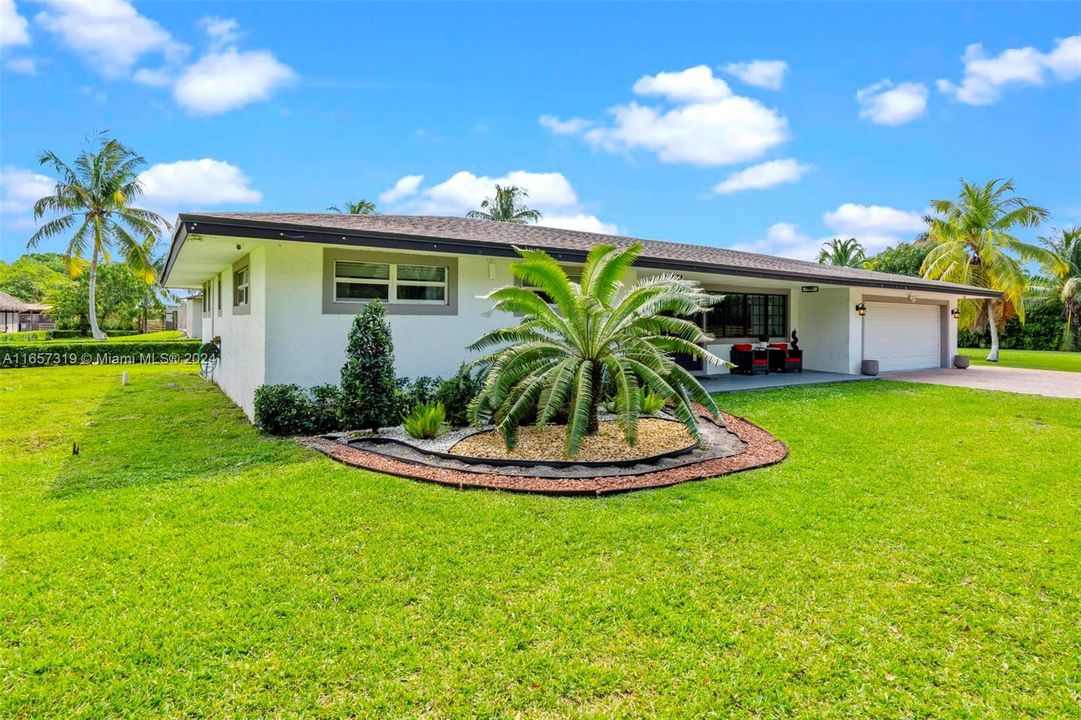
x: 557, y: 359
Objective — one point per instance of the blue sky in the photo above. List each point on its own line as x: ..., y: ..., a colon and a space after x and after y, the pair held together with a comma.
x: 762, y: 127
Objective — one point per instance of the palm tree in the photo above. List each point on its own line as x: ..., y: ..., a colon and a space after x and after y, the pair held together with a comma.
x: 845, y: 253
x: 973, y: 245
x: 506, y: 207
x: 1064, y: 283
x: 92, y: 197
x: 562, y: 355
x: 358, y: 207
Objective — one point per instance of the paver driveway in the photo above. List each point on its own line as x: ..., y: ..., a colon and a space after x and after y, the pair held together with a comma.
x: 1052, y: 383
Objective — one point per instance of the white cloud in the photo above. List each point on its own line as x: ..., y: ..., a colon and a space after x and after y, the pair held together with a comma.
x: 14, y: 30
x: 110, y: 34
x: 22, y: 188
x: 188, y: 184
x: 570, y: 126
x: 784, y: 239
x: 550, y: 193
x: 762, y: 176
x: 162, y: 77
x: 767, y: 74
x: 875, y: 226
x: 582, y: 222
x: 405, y: 187
x: 984, y: 77
x: 228, y: 79
x: 222, y: 31
x: 696, y: 84
x: 885, y: 104
x: 19, y: 190
x: 22, y: 66
x: 707, y: 126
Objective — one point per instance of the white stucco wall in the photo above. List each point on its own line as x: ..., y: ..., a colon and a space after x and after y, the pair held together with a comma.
x: 287, y: 337
x: 242, y: 367
x: 307, y: 347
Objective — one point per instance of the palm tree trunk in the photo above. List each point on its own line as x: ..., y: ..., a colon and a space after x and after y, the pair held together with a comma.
x: 95, y: 331
x: 594, y: 404
x: 993, y: 355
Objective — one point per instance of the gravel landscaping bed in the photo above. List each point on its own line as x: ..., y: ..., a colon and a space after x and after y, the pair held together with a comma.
x: 655, y: 437
x: 733, y: 445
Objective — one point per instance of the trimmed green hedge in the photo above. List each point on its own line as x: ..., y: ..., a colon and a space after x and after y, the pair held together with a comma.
x: 46, y: 354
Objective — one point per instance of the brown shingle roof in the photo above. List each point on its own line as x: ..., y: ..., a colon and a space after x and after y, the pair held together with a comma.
x: 655, y: 253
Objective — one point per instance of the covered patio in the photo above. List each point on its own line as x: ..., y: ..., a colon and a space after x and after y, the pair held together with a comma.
x: 738, y: 383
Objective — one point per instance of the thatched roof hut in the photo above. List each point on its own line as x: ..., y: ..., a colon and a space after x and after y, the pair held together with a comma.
x: 10, y: 307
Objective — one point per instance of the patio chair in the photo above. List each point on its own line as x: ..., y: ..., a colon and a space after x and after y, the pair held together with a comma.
x: 748, y: 361
x: 785, y: 359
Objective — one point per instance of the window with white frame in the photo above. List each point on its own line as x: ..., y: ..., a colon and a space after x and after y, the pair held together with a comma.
x: 399, y: 283
x: 240, y: 287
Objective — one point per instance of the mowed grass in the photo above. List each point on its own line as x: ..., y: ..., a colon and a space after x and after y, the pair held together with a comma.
x: 916, y: 556
x: 1030, y: 359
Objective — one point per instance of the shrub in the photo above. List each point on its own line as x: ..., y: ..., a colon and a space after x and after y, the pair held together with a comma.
x: 416, y: 392
x: 326, y: 407
x: 1042, y: 330
x: 283, y: 410
x: 457, y: 392
x: 369, y: 397
x: 652, y: 403
x: 26, y: 336
x: 425, y: 420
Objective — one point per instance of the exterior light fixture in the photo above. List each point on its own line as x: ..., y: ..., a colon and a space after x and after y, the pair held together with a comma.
x: 861, y: 309
x: 956, y: 312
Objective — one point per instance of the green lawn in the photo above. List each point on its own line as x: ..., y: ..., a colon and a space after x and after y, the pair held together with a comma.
x: 1031, y: 359
x: 916, y: 556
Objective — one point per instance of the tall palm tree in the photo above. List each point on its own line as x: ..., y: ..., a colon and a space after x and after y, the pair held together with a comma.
x: 1064, y: 283
x: 92, y: 200
x: 973, y: 244
x: 506, y: 207
x: 358, y: 207
x: 845, y: 253
x: 562, y: 355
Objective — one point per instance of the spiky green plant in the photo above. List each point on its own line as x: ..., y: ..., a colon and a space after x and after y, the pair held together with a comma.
x: 425, y: 421
x: 355, y: 207
x: 973, y: 244
x: 556, y: 360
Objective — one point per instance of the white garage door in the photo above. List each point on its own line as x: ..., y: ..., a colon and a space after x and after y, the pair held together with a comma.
x: 902, y: 336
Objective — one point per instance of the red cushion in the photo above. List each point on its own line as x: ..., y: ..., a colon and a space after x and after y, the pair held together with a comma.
x: 794, y: 360
x: 742, y: 348
x: 779, y: 346
x: 759, y: 362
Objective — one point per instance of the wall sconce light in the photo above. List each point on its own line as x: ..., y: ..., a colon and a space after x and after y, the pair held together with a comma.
x: 956, y: 312
x: 861, y: 309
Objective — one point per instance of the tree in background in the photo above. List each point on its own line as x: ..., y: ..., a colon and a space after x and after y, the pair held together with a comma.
x: 844, y: 253
x: 121, y: 292
x: 972, y: 244
x: 34, y: 276
x: 1061, y: 283
x: 506, y: 206
x: 901, y: 259
x: 358, y: 207
x: 92, y: 202
x: 368, y: 399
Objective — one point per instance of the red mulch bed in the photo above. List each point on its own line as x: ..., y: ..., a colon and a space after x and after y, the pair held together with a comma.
x: 762, y: 449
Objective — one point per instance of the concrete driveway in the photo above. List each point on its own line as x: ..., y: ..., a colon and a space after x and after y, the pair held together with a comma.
x: 1050, y: 383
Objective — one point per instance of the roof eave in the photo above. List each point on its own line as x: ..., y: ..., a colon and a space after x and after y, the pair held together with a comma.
x: 230, y: 227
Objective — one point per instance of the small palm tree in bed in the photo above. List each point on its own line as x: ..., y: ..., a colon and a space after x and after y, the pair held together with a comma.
x: 561, y: 356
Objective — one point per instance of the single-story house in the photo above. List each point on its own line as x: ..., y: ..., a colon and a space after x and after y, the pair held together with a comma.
x: 280, y: 290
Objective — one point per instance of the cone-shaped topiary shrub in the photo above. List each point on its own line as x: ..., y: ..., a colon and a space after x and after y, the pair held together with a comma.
x: 368, y: 391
